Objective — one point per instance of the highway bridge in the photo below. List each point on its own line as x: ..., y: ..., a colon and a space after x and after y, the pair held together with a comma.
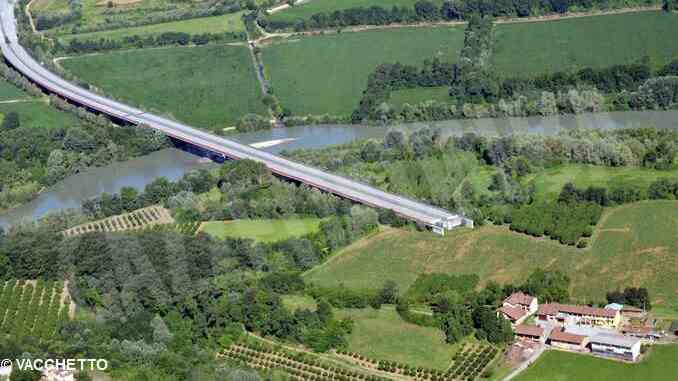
x: 437, y: 219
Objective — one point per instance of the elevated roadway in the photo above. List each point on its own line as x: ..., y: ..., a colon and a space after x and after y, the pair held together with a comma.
x: 437, y: 219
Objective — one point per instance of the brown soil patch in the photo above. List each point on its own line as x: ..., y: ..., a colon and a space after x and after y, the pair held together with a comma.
x: 652, y: 250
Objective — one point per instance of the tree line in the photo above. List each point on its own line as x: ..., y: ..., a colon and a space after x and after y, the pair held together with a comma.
x: 80, y: 46
x: 427, y: 11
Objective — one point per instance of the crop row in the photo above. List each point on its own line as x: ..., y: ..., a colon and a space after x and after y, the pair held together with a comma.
x: 35, y: 310
x: 137, y: 219
x: 470, y: 362
x: 298, y: 367
x: 418, y: 373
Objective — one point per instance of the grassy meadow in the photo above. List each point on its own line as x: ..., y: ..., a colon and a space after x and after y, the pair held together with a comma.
x: 306, y: 10
x: 550, y: 182
x: 598, y: 41
x: 327, y: 74
x: 633, y: 245
x: 38, y: 114
x: 209, y: 86
x: 261, y: 230
x: 10, y: 92
x: 660, y: 365
x: 228, y: 23
x: 383, y: 335
x: 420, y: 95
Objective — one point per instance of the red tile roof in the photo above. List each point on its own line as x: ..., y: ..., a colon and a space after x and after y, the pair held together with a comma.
x: 513, y: 313
x: 569, y: 338
x: 631, y: 309
x: 519, y: 298
x: 529, y: 330
x: 555, y: 308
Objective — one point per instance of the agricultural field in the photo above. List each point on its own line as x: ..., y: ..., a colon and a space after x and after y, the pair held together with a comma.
x: 208, y: 86
x: 542, y: 47
x: 420, y: 95
x: 550, y: 182
x: 33, y: 308
x: 104, y: 14
x: 138, y: 219
x: 38, y: 114
x: 383, y: 335
x: 660, y: 365
x: 228, y: 23
x: 327, y: 74
x: 261, y: 230
x: 633, y: 245
x: 310, y: 7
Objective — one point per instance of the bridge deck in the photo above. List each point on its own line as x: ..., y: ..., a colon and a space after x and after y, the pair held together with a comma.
x: 21, y: 60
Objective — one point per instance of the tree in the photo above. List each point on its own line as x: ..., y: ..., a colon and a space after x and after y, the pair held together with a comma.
x: 79, y: 140
x: 456, y: 323
x: 549, y: 286
x: 56, y: 167
x: 491, y: 327
x: 670, y: 5
x: 388, y: 293
x: 11, y: 121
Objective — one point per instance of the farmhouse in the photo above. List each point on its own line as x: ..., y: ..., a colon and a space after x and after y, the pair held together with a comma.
x: 564, y: 314
x: 529, y: 332
x: 613, y: 345
x: 513, y: 314
x: 523, y: 301
x: 570, y: 341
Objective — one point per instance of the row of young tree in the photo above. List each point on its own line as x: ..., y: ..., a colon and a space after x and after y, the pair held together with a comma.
x: 427, y: 11
x: 83, y: 46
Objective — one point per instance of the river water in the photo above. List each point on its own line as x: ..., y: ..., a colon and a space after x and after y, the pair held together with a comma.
x: 173, y: 163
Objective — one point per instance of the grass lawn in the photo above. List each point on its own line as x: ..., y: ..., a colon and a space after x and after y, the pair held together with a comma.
x: 231, y: 22
x: 383, y: 335
x: 38, y: 114
x: 208, y: 86
x: 420, y: 95
x: 298, y: 302
x: 308, y: 9
x: 327, y: 74
x: 262, y: 230
x: 634, y: 245
x: 9, y: 92
x: 599, y: 41
x: 550, y: 182
x: 660, y: 365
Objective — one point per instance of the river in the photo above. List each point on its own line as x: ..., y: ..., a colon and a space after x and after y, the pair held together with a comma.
x: 173, y: 163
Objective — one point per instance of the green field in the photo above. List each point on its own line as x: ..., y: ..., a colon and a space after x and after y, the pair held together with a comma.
x: 550, y: 182
x: 660, y: 365
x: 10, y: 92
x: 599, y: 41
x: 38, y: 114
x: 383, y: 335
x: 327, y: 74
x: 298, y: 302
x: 231, y: 22
x: 633, y: 245
x: 308, y: 9
x: 208, y: 86
x: 262, y: 230
x: 420, y: 95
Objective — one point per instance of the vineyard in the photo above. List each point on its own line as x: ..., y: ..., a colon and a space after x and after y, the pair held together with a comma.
x: 138, y: 219
x: 467, y: 365
x: 33, y: 308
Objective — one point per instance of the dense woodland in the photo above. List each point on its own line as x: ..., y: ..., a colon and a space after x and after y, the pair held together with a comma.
x: 427, y: 11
